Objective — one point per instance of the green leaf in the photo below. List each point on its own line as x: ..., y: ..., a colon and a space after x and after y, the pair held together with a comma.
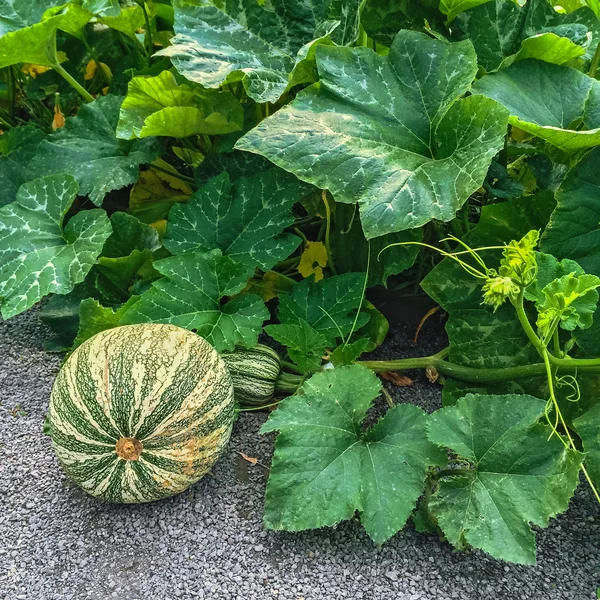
x: 519, y: 474
x: 159, y: 106
x: 39, y: 253
x: 129, y: 234
x: 107, y: 8
x: 571, y: 300
x: 549, y: 269
x: 305, y: 345
x: 588, y: 428
x: 383, y: 19
x: 87, y: 148
x: 573, y: 230
x: 17, y: 147
x: 94, y: 318
x: 128, y: 21
x: 451, y: 8
x: 190, y: 295
x: 60, y: 313
x: 17, y: 14
x: 36, y: 43
x: 547, y: 100
x: 551, y: 48
x: 245, y: 219
x: 346, y: 354
x: 325, y: 468
x: 236, y: 164
x: 246, y: 41
x: 329, y: 306
x: 375, y: 330
x: 388, y: 132
x: 503, y: 31
x: 129, y: 248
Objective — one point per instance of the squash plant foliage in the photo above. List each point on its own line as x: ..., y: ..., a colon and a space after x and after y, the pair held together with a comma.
x: 253, y: 168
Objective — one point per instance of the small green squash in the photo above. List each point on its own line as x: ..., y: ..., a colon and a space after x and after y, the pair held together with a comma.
x: 141, y: 412
x: 254, y: 372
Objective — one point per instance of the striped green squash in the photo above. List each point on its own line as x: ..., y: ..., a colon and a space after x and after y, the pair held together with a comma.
x: 141, y: 412
x: 254, y: 372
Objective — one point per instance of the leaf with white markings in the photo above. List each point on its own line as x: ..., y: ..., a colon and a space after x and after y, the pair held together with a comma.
x: 325, y: 467
x: 245, y: 219
x: 248, y: 42
x: 503, y: 31
x: 39, y: 253
x: 389, y: 132
x: 87, y: 148
x: 519, y: 474
x: 190, y: 295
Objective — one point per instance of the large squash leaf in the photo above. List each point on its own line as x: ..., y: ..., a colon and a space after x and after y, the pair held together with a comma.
x: 17, y: 14
x: 520, y: 475
x: 88, y: 149
x: 248, y: 42
x: 245, y: 219
x: 40, y: 253
x: 36, y: 43
x: 549, y: 101
x: 159, y: 106
x: 388, y: 132
x: 503, y: 30
x: 325, y: 467
x: 191, y: 295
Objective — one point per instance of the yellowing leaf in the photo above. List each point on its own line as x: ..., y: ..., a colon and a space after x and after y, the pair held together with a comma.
x: 270, y: 285
x: 34, y: 70
x: 92, y: 67
x: 155, y: 192
x: 396, y: 378
x: 160, y: 226
x: 313, y: 259
x: 250, y: 459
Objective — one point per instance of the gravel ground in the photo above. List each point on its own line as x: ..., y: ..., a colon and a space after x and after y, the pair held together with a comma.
x: 58, y: 544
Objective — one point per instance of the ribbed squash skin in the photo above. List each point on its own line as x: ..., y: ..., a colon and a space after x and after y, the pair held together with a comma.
x: 254, y: 372
x: 155, y: 389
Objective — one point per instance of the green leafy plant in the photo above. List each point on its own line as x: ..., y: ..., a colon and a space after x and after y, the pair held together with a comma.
x: 288, y: 171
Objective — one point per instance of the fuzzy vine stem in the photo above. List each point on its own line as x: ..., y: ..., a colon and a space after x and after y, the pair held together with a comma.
x: 73, y: 82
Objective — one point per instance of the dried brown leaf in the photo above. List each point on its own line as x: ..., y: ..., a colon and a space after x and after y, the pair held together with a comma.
x: 396, y: 378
